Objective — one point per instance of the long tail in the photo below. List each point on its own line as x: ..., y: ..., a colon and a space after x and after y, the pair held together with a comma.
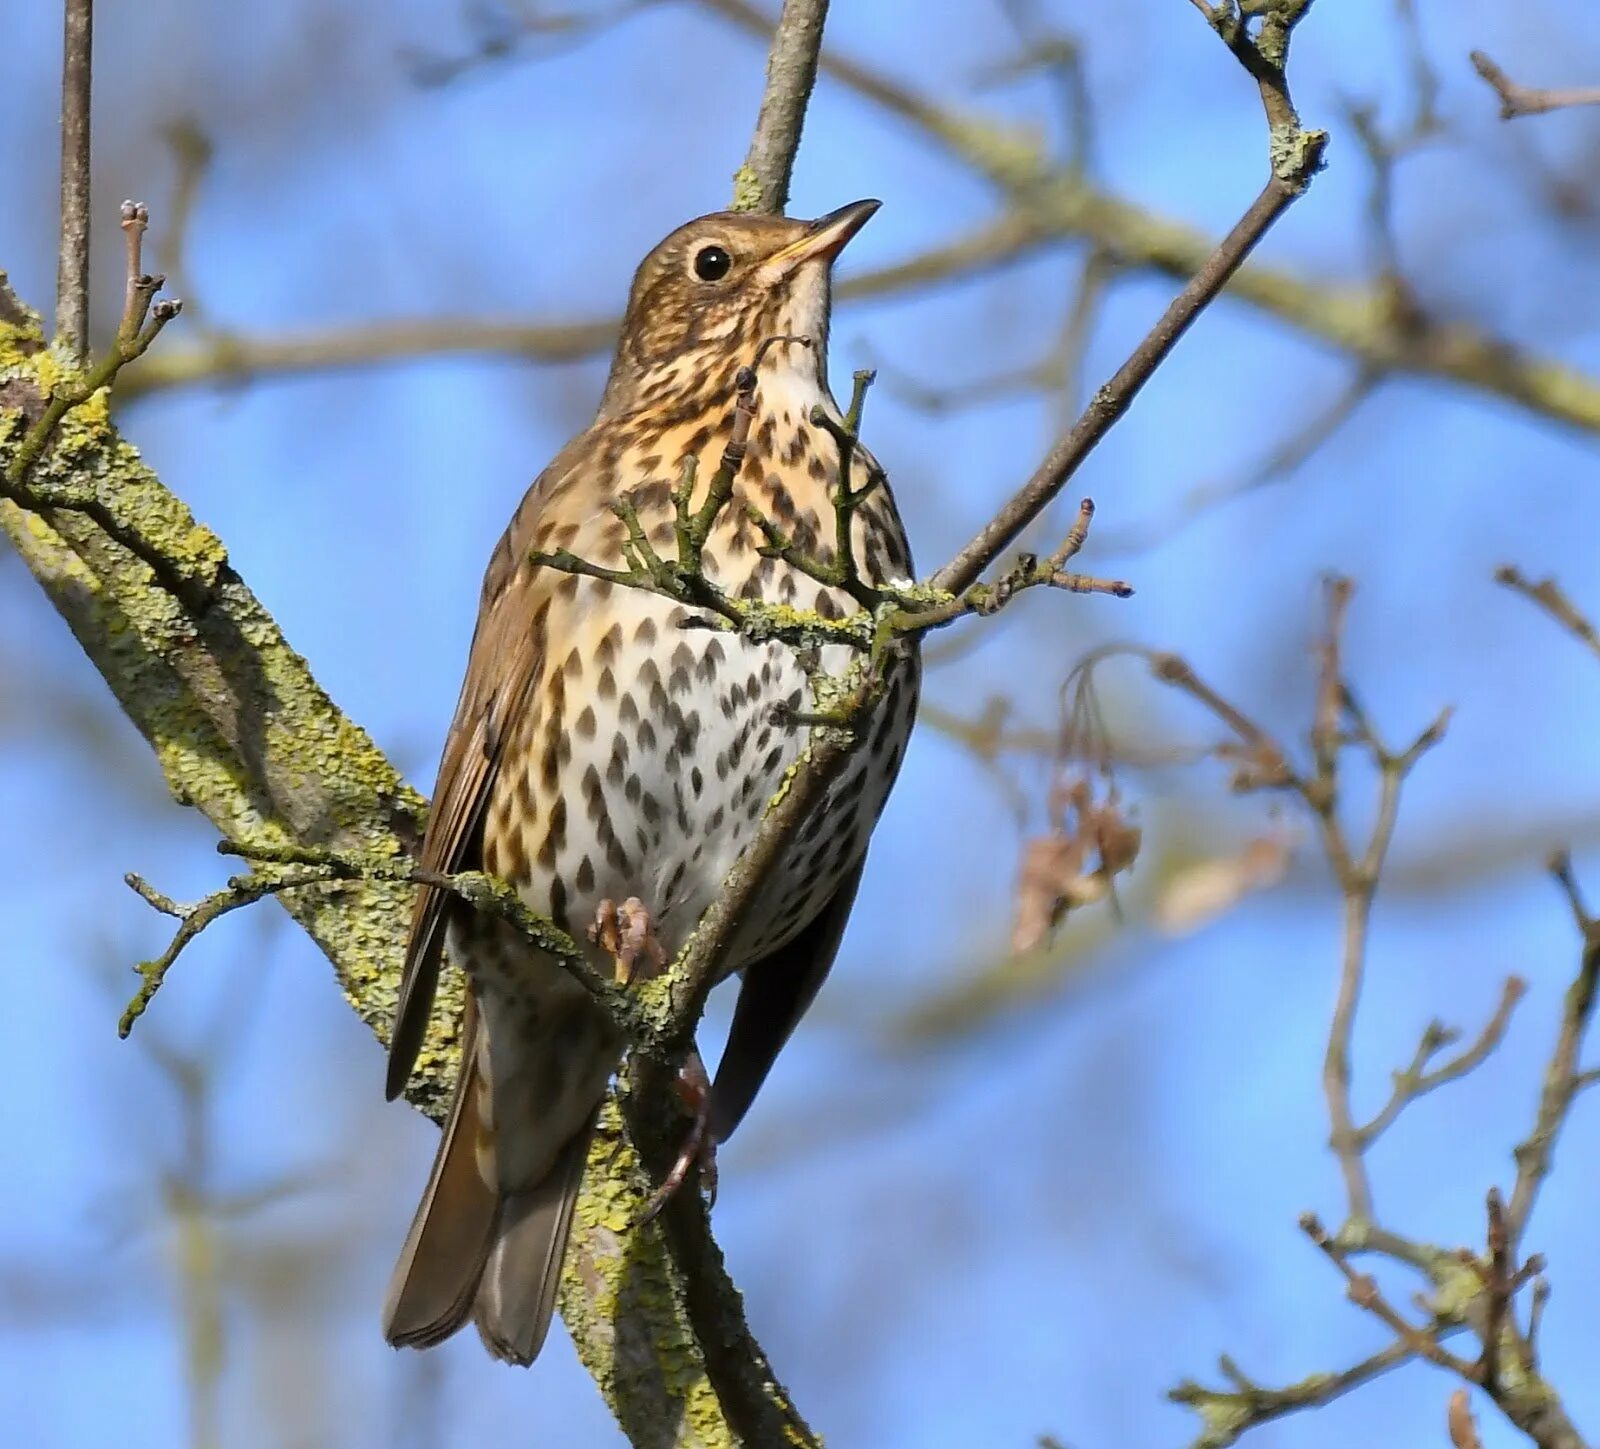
x: 473, y: 1251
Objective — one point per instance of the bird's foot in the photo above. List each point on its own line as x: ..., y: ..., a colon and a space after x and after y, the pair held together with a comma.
x: 699, y: 1146
x: 627, y: 934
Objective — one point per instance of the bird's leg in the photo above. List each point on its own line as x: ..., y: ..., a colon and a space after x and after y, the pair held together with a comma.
x: 699, y: 1146
x: 627, y: 934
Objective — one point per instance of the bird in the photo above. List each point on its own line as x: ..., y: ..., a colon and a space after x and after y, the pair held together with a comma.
x: 603, y: 748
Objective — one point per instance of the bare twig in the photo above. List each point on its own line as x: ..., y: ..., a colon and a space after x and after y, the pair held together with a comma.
x: 141, y: 323
x: 1416, y: 1080
x: 762, y: 183
x: 194, y: 917
x: 1517, y: 100
x: 72, y: 263
x: 1563, y: 1079
x: 1548, y: 596
x: 1470, y: 1291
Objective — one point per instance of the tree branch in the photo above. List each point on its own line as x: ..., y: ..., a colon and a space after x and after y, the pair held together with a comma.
x: 1516, y: 100
x: 762, y: 183
x: 72, y: 262
x: 1548, y: 596
x: 1044, y: 205
x: 1112, y: 400
x: 243, y: 732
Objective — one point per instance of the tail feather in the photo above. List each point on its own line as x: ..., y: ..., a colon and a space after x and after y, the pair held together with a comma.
x: 517, y: 1294
x: 436, y: 1278
x: 478, y: 1252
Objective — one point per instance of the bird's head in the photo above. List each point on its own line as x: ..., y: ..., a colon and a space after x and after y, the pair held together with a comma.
x: 707, y: 298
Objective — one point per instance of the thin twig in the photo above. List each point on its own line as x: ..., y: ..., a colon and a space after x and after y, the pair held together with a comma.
x: 1364, y: 1293
x: 1548, y: 596
x: 1563, y: 1080
x: 1417, y: 1081
x: 1517, y: 100
x: 72, y: 263
x: 194, y: 917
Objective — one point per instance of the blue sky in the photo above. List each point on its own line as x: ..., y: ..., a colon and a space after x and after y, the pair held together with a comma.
x: 1035, y: 1226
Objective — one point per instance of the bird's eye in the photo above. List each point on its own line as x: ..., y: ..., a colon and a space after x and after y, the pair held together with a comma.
x: 711, y: 264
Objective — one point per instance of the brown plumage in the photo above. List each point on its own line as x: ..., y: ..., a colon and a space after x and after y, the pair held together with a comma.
x: 600, y: 750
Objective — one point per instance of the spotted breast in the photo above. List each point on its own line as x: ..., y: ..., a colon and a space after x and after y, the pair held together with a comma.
x: 616, y: 750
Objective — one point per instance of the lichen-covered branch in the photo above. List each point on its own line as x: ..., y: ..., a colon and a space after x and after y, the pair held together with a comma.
x: 243, y: 732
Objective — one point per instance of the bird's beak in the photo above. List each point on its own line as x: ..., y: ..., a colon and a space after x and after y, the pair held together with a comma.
x: 826, y: 236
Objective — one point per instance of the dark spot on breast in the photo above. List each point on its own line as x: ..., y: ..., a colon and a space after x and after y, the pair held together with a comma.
x: 710, y: 658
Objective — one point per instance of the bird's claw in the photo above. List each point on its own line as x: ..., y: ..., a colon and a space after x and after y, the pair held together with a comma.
x: 699, y: 1145
x: 627, y: 934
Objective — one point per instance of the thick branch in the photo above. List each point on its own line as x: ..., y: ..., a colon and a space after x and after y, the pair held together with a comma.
x: 243, y: 732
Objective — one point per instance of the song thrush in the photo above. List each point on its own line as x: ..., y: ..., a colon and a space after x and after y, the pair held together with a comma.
x: 601, y: 750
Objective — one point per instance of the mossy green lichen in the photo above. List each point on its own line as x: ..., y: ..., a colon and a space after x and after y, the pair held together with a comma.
x: 747, y: 193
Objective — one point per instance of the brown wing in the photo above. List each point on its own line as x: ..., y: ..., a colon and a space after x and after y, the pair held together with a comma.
x: 500, y: 671
x: 773, y: 996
